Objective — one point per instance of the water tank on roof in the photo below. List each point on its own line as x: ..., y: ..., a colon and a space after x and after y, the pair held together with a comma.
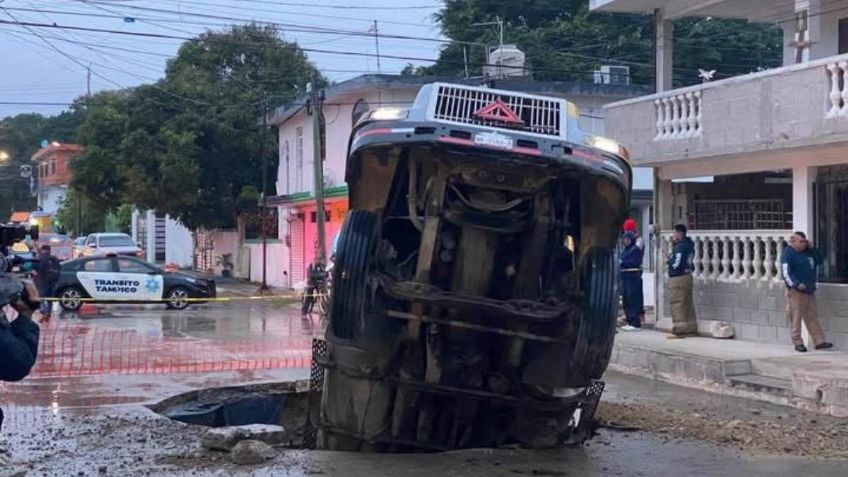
x: 506, y: 61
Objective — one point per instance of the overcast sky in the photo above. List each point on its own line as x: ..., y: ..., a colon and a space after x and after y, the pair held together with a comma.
x: 33, y: 71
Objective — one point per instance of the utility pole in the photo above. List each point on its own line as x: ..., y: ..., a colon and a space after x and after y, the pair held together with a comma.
x: 79, y: 196
x: 377, y: 44
x: 263, y: 210
x: 316, y: 102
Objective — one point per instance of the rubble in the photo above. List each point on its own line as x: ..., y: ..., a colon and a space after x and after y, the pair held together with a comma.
x: 225, y: 438
x: 251, y: 452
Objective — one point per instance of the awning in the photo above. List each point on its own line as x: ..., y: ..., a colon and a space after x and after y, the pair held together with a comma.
x: 19, y: 217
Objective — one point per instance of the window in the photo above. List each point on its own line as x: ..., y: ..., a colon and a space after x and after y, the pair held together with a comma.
x: 843, y: 35
x: 90, y: 241
x: 98, y: 265
x: 116, y: 241
x: 314, y: 215
x: 298, y: 158
x: 53, y: 167
x: 128, y: 265
x: 831, y: 217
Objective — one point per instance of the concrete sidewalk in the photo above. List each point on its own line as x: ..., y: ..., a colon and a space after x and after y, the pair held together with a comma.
x: 815, y: 381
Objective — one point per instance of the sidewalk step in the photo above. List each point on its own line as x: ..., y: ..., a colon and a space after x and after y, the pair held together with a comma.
x: 775, y: 368
x: 763, y: 383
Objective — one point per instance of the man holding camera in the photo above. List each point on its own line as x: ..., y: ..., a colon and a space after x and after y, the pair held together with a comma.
x: 18, y: 338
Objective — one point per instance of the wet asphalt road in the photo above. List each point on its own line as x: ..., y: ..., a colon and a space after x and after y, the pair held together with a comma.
x: 80, y: 413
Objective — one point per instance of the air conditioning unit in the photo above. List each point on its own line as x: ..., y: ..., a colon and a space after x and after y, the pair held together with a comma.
x: 609, y: 74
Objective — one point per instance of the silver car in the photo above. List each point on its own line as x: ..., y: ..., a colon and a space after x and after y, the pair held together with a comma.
x: 111, y: 244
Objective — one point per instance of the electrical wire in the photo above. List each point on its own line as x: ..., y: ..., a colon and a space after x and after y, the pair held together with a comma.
x: 306, y: 50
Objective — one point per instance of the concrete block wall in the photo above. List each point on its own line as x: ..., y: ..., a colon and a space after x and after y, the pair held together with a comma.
x: 757, y: 309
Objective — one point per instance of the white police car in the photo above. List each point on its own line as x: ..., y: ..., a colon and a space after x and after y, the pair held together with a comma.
x: 126, y: 279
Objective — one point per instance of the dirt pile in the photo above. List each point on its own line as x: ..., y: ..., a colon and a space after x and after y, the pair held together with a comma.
x: 819, y: 436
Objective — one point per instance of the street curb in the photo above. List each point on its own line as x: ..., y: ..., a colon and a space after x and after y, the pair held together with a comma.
x: 811, y: 393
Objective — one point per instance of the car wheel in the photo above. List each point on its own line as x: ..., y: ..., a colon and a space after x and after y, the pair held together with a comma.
x: 70, y: 298
x: 178, y: 298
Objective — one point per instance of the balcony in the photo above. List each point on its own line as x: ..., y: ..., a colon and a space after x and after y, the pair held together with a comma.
x: 784, y: 109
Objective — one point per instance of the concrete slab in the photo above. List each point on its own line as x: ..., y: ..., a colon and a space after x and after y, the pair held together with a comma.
x: 819, y: 379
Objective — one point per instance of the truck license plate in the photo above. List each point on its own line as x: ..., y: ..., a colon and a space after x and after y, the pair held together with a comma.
x: 493, y: 139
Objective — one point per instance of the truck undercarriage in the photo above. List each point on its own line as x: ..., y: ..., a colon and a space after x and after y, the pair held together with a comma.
x: 473, y: 292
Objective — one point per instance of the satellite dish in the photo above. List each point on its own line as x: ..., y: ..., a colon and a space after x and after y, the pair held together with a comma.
x: 45, y: 143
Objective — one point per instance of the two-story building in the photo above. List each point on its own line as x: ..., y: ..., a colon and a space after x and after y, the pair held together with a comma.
x: 744, y: 161
x: 52, y: 171
x: 290, y: 254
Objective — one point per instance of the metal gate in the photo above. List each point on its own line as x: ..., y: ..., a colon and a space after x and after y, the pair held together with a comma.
x: 160, y: 238
x: 298, y: 248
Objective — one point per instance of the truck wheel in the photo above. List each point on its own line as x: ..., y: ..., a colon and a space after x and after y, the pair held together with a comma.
x: 357, y: 245
x: 598, y: 278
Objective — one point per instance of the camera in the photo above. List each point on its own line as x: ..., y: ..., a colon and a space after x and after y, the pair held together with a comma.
x: 11, y: 233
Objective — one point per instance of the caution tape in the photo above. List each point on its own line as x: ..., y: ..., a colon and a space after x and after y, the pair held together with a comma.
x: 292, y: 298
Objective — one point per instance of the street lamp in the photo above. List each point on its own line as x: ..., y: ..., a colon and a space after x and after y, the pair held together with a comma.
x: 4, y: 156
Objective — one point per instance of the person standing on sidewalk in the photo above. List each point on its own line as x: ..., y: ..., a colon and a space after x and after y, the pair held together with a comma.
x: 798, y: 268
x: 45, y: 276
x: 631, y: 282
x: 680, y: 284
x: 630, y: 225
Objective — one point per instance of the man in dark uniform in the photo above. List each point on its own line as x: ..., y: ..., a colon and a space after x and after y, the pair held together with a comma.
x: 681, y: 284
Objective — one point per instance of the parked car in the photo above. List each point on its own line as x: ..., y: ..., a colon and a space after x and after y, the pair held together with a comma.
x: 79, y: 246
x: 61, y: 245
x: 125, y: 279
x: 21, y: 258
x: 101, y: 244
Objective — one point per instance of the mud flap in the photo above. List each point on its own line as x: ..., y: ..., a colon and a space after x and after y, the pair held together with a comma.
x: 316, y: 383
x: 584, y: 416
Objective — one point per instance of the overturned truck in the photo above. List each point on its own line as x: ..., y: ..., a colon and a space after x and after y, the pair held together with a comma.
x: 474, y: 287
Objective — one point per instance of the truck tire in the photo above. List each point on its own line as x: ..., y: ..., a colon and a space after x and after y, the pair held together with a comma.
x: 599, y: 280
x: 354, y: 255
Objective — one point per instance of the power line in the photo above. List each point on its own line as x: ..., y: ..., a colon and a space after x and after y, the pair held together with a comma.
x: 346, y: 7
x: 306, y: 50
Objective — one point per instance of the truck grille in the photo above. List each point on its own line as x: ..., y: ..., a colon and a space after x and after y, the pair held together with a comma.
x: 539, y: 115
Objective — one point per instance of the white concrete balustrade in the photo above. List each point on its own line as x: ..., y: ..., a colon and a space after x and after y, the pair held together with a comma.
x: 838, y: 95
x: 679, y: 116
x: 735, y: 255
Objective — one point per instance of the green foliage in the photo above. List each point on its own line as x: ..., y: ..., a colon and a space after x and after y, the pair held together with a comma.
x: 20, y: 137
x: 564, y: 41
x: 190, y: 144
x: 78, y: 215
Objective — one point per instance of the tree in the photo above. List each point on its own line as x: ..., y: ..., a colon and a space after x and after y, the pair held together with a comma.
x: 78, y: 215
x: 564, y: 41
x: 189, y: 144
x: 20, y: 137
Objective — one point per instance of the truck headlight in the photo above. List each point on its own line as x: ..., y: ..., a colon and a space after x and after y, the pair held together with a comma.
x: 387, y: 114
x: 608, y: 145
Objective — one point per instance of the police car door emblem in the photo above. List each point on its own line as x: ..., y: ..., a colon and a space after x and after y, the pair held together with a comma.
x: 152, y: 285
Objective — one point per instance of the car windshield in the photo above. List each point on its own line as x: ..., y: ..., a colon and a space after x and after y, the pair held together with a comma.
x: 116, y: 241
